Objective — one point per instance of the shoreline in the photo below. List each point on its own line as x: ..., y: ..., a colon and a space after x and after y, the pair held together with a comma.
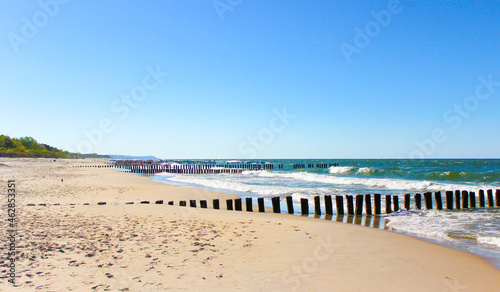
x: 193, y: 248
x: 462, y: 245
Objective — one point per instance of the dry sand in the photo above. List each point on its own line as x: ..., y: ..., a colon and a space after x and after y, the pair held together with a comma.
x: 119, y: 247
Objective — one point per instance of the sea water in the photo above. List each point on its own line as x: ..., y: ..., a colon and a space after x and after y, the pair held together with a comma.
x: 476, y: 231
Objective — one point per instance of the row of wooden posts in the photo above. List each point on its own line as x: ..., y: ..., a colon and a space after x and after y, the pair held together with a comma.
x: 312, y: 165
x: 95, y: 165
x: 454, y: 200
x: 152, y: 168
x: 194, y: 169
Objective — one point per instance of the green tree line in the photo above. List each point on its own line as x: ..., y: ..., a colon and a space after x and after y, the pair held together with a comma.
x: 29, y: 147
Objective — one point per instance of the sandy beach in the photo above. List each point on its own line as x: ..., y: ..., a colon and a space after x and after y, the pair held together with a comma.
x: 138, y: 247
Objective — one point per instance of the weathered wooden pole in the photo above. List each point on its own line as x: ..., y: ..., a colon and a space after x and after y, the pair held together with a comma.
x: 339, y: 200
x: 472, y: 199
x: 216, y: 204
x: 428, y: 200
x: 203, y: 204
x: 229, y: 204
x: 276, y: 204
x: 465, y: 200
x: 304, y: 206
x: 368, y: 204
x: 407, y: 201
x: 328, y: 205
x: 490, y: 198
x: 237, y: 204
x: 378, y: 203
x: 260, y: 201
x: 497, y: 197
x: 449, y: 200
x: 359, y: 204
x: 458, y: 206
x: 439, y: 201
x: 418, y: 201
x: 289, y: 204
x: 350, y: 205
x: 317, y: 206
x: 395, y: 201
x: 248, y: 204
x: 481, y: 198
x: 388, y: 203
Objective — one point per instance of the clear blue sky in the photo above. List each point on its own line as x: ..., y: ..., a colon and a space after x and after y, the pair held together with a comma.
x: 405, y: 87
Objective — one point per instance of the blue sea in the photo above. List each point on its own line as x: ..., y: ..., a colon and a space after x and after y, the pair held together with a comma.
x: 476, y: 231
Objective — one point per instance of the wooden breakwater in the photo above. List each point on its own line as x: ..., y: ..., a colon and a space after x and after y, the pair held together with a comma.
x: 368, y: 204
x: 312, y: 165
x: 194, y: 167
x: 95, y: 165
x: 152, y: 167
x: 351, y: 205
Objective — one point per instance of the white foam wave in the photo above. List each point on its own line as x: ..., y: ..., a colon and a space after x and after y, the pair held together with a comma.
x: 419, y: 225
x: 450, y: 226
x: 341, y: 169
x: 365, y: 170
x: 260, y: 177
x: 223, y: 183
x: 384, y: 183
x: 489, y: 240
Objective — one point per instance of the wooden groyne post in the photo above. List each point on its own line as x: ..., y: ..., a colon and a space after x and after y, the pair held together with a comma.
x: 260, y: 202
x: 350, y: 205
x: 439, y: 202
x: 304, y: 206
x: 457, y: 200
x: 276, y: 204
x: 378, y: 203
x: 481, y: 198
x: 418, y: 201
x: 339, y: 200
x: 368, y: 204
x: 428, y: 200
x: 490, y: 198
x: 497, y: 195
x: 465, y: 200
x: 328, y: 205
x: 407, y: 201
x: 395, y: 201
x: 472, y: 198
x: 248, y: 204
x: 237, y: 204
x: 388, y: 204
x: 449, y: 200
x: 317, y: 206
x: 289, y: 204
x: 359, y: 205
